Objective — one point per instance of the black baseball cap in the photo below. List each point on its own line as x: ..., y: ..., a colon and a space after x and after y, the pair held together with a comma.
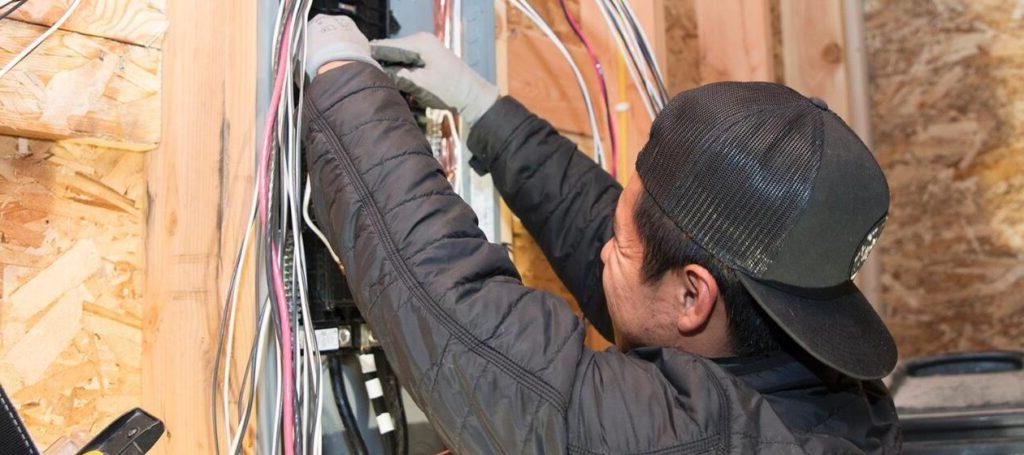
x: 779, y: 188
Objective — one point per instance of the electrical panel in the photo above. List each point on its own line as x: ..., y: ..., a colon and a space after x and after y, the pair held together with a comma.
x: 373, y: 17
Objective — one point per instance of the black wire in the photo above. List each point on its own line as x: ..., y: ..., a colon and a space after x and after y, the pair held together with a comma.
x: 632, y: 58
x: 353, y: 437
x: 13, y: 8
x: 646, y: 54
x: 252, y: 390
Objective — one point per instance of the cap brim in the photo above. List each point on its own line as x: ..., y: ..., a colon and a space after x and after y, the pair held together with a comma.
x: 839, y: 327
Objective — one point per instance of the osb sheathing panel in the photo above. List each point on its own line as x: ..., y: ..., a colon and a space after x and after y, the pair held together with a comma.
x: 947, y: 84
x: 72, y: 221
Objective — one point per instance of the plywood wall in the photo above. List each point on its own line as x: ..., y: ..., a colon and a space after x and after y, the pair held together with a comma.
x: 947, y: 87
x: 73, y: 216
x: 72, y: 220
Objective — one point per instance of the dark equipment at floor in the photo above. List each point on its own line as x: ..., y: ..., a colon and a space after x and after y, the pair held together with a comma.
x: 962, y: 403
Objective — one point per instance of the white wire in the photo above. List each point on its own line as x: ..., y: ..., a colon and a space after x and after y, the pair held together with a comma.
x: 641, y: 86
x: 633, y: 40
x: 309, y: 376
x: 312, y: 226
x: 647, y: 43
x: 233, y: 297
x: 278, y: 397
x: 35, y: 43
x: 524, y: 6
x: 641, y: 83
x: 236, y: 441
x: 456, y: 27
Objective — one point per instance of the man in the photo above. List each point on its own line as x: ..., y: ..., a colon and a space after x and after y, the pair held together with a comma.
x: 722, y: 270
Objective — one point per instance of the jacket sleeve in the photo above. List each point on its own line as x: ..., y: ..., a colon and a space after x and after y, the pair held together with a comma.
x: 564, y: 199
x: 491, y: 361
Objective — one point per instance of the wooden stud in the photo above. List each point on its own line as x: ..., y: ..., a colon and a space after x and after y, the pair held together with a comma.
x: 735, y: 40
x: 129, y: 21
x: 813, y: 51
x: 200, y: 181
x: 88, y: 89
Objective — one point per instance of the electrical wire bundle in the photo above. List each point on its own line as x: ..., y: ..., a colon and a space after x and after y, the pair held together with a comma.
x: 599, y: 72
x: 279, y: 208
x: 634, y: 45
x: 535, y: 17
x: 285, y: 341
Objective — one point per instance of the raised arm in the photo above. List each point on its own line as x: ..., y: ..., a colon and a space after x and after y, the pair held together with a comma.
x: 491, y: 361
x: 563, y: 198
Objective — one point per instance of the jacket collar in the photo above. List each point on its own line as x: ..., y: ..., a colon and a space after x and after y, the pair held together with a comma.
x: 766, y: 374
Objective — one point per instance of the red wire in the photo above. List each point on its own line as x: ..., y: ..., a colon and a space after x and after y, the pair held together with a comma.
x: 287, y: 387
x: 600, y: 78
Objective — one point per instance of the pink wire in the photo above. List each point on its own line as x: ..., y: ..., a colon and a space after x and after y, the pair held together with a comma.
x: 286, y: 354
x: 287, y: 386
x: 604, y: 87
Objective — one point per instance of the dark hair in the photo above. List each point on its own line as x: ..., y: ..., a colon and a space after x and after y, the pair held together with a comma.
x: 752, y: 332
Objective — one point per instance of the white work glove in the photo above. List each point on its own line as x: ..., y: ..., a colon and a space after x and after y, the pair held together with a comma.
x: 435, y: 77
x: 334, y: 38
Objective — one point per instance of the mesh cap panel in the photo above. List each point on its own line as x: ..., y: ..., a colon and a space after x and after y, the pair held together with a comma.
x: 733, y: 165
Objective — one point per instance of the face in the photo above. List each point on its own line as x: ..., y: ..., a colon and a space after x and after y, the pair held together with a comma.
x: 677, y: 310
x: 630, y: 299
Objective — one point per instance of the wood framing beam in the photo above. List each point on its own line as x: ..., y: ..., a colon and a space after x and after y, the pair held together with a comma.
x: 813, y: 51
x: 79, y: 87
x: 130, y: 21
x: 200, y: 180
x: 547, y: 85
x: 735, y: 40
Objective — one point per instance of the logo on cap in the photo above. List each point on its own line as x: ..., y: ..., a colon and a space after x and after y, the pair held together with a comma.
x: 867, y: 245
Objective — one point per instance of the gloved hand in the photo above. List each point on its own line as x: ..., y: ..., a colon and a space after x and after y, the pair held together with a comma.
x: 334, y: 38
x: 421, y: 66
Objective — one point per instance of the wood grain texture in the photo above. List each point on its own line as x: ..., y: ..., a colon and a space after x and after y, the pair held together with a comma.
x: 682, y: 46
x: 814, y: 51
x: 88, y: 89
x: 735, y: 40
x: 200, y: 185
x: 72, y: 221
x: 140, y: 22
x: 946, y: 99
x: 549, y: 88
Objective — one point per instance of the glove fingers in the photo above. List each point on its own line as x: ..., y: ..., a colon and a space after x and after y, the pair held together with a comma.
x: 391, y: 55
x: 404, y: 79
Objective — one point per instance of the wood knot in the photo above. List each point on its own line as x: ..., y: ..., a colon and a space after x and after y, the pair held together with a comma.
x: 832, y: 53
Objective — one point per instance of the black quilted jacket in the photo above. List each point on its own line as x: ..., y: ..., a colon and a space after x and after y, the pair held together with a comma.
x: 502, y: 368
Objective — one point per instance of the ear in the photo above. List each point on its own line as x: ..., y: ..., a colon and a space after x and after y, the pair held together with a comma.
x: 695, y: 296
